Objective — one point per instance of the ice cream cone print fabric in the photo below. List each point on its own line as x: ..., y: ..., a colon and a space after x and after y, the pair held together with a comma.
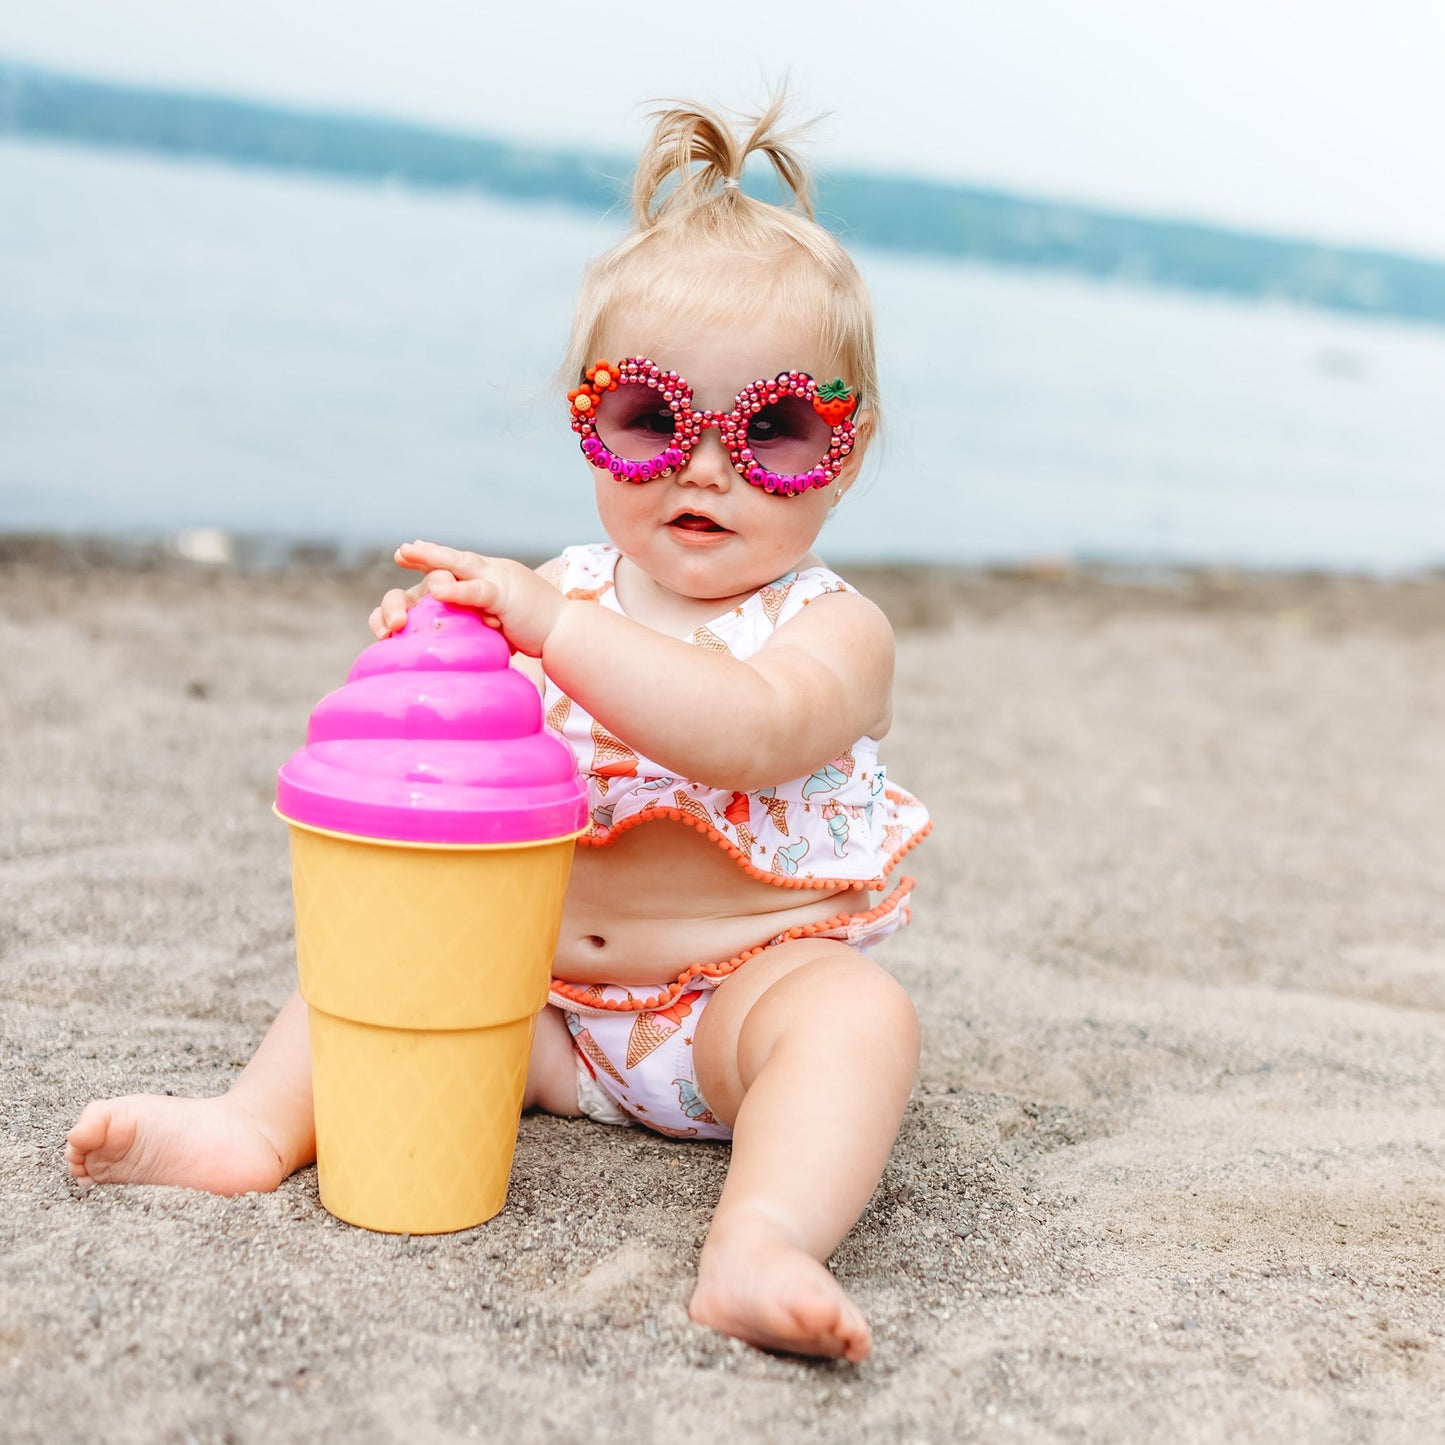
x: 844, y: 825
x: 642, y: 1063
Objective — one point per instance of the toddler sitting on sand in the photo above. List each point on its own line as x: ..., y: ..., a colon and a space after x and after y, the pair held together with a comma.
x: 724, y: 693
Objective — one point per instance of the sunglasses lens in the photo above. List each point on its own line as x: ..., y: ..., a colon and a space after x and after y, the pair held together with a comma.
x: 789, y: 436
x: 634, y: 422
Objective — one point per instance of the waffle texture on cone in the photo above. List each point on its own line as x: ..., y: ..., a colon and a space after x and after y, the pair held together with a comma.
x: 434, y: 739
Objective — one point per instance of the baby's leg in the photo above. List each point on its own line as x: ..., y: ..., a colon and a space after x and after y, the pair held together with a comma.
x: 262, y: 1129
x: 810, y: 1051
x: 552, y: 1068
x: 249, y: 1138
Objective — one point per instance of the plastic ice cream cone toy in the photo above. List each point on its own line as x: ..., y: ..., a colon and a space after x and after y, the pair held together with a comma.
x: 433, y: 820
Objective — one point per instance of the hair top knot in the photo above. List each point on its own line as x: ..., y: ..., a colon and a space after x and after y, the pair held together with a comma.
x: 704, y: 254
x: 695, y: 157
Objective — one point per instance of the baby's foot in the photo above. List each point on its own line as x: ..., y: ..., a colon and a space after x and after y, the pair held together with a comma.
x: 755, y: 1285
x: 210, y: 1144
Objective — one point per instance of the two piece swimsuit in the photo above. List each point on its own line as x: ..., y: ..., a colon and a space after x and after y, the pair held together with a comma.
x: 843, y: 826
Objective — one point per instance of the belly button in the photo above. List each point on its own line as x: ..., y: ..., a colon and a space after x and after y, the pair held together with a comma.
x: 596, y: 940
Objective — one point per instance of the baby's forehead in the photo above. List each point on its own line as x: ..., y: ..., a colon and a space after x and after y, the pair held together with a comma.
x: 727, y: 352
x: 665, y: 300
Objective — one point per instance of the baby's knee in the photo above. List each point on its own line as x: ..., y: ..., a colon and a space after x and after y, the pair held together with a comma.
x: 847, y: 991
x: 889, y: 1008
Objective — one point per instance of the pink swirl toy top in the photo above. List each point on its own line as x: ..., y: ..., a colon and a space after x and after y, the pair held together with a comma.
x: 434, y: 739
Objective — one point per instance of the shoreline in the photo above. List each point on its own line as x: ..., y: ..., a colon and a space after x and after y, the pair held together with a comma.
x: 914, y: 595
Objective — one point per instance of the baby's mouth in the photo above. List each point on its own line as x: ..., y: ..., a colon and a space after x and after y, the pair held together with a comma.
x: 692, y: 522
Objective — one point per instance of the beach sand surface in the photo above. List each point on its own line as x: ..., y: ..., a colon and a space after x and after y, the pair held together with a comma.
x: 1174, y: 1168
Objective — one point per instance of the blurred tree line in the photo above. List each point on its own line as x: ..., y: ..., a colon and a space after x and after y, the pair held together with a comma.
x: 874, y: 210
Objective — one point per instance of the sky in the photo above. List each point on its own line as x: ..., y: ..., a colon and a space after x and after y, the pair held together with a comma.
x: 1321, y: 118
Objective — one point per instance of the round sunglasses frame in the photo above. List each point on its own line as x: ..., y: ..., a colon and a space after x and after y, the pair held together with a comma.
x: 833, y: 401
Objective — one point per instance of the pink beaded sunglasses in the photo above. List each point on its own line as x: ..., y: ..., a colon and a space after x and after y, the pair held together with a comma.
x: 785, y: 435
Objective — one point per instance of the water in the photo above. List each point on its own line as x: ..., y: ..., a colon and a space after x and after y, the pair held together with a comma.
x: 183, y: 345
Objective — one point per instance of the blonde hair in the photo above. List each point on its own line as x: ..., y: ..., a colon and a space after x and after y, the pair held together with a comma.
x: 702, y: 251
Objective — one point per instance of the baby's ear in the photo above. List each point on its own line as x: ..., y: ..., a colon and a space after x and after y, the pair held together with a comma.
x: 863, y: 433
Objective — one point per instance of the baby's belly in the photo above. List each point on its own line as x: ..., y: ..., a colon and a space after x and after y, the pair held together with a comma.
x: 661, y: 898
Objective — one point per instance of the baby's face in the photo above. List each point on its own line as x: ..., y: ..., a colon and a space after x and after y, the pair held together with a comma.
x: 704, y: 532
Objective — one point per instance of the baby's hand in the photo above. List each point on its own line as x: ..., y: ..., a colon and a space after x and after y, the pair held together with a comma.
x: 390, y: 615
x: 507, y: 594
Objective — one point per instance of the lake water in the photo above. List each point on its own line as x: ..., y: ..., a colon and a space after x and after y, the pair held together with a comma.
x: 184, y: 345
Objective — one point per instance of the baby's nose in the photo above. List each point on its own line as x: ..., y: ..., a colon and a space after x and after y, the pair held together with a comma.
x: 709, y: 460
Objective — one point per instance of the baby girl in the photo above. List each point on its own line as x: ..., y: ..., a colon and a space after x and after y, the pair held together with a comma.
x: 724, y: 693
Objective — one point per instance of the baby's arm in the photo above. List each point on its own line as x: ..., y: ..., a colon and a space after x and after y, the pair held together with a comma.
x: 823, y: 679
x: 820, y: 682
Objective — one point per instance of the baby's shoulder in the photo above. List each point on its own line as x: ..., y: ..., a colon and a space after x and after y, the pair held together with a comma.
x: 841, y: 612
x: 794, y: 594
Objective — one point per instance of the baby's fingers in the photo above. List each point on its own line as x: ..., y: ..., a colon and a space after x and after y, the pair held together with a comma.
x: 390, y: 615
x: 429, y: 557
x: 465, y: 592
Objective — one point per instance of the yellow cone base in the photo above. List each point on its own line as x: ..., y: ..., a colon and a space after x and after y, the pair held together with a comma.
x: 415, y: 1129
x: 423, y: 970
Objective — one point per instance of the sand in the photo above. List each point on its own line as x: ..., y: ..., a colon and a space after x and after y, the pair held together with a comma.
x: 1174, y: 1168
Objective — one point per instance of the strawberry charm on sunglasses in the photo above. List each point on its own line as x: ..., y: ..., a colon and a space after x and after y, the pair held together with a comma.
x: 786, y: 435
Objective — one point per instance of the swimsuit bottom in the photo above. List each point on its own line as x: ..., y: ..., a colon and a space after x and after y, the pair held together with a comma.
x: 634, y: 1054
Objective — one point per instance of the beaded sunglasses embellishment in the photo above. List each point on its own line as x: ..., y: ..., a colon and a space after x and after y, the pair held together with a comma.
x: 786, y: 435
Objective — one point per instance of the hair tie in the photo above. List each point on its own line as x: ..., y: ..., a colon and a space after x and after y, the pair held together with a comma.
x: 730, y: 183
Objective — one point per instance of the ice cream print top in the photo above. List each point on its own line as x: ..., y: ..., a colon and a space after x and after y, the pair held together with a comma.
x: 842, y: 826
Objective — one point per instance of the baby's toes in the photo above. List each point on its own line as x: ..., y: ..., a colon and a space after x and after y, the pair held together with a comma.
x: 94, y: 1138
